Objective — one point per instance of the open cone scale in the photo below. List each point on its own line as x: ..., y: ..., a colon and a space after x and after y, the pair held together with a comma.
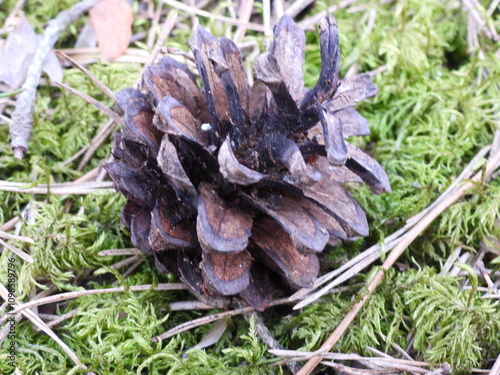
x: 237, y: 189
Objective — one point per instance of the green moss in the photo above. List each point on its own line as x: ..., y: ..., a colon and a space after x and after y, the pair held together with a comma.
x: 435, y: 109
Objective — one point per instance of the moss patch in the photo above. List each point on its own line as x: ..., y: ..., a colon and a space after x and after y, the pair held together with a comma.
x: 435, y: 109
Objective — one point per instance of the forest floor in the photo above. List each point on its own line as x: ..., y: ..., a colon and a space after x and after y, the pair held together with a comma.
x: 419, y: 295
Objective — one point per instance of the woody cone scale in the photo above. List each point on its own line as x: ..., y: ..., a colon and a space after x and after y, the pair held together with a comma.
x: 237, y: 189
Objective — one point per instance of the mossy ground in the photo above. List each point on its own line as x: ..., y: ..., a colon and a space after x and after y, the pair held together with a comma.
x: 435, y: 109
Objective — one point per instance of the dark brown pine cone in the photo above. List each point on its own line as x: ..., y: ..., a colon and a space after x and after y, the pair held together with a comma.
x: 237, y: 189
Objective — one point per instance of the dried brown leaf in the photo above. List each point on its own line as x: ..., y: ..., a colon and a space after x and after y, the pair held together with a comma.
x: 112, y: 22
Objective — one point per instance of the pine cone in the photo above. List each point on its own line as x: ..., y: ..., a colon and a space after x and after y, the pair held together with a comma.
x: 235, y: 189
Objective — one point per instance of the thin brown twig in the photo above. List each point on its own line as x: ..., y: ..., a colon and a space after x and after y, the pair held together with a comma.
x: 209, y: 319
x: 155, y: 22
x: 101, y: 107
x: 199, y: 12
x: 96, y: 142
x: 132, y: 268
x: 114, y: 252
x: 495, y: 370
x: 64, y: 188
x: 22, y: 118
x: 401, y: 351
x: 246, y: 7
x: 81, y: 293
x: 72, y: 158
x: 167, y: 28
x: 394, y: 255
x: 41, y: 324
x: 105, y: 89
x: 268, y: 339
x: 21, y: 254
x: 370, y: 255
x: 62, y: 318
x: 14, y: 237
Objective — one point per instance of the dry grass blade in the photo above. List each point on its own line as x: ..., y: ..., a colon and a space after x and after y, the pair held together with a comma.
x: 81, y: 293
x: 75, y: 156
x: 407, y: 239
x: 64, y: 188
x: 199, y: 322
x: 199, y: 12
x: 245, y: 13
x: 370, y: 255
x: 113, y: 252
x: 209, y: 319
x: 105, y: 89
x: 189, y: 305
x: 112, y: 115
x: 21, y: 254
x: 300, y: 355
x: 42, y: 326
x: 126, y: 262
x: 313, y: 20
x: 495, y: 370
x: 96, y: 142
x: 10, y: 225
x: 61, y: 318
x: 297, y: 6
x: 165, y: 32
x: 154, y: 23
x: 14, y: 237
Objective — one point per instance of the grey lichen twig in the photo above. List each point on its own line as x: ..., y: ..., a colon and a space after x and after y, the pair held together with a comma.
x: 22, y: 118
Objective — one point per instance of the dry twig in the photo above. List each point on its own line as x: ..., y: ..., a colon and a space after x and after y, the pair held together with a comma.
x: 209, y: 319
x: 22, y: 118
x: 42, y: 326
x: 63, y: 188
x: 199, y: 12
x: 21, y: 254
x: 112, y: 115
x: 80, y: 293
x: 105, y: 89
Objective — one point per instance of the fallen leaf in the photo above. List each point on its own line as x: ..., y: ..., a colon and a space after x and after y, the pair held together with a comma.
x: 112, y: 22
x: 17, y: 52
